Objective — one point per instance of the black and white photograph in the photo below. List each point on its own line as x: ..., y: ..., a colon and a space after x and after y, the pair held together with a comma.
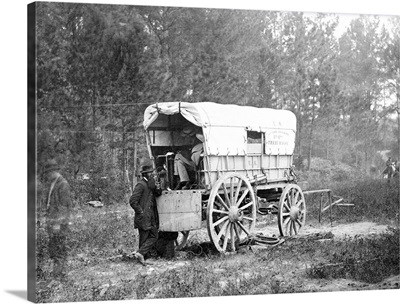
x: 189, y: 151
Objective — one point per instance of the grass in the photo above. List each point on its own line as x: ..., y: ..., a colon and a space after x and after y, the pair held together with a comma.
x: 288, y: 268
x: 94, y: 233
x: 373, y: 199
x: 361, y: 259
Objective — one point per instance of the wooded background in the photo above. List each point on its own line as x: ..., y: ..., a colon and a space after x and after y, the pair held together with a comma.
x: 100, y: 66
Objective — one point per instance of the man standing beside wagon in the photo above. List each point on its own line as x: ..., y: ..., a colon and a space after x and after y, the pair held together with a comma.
x: 143, y: 201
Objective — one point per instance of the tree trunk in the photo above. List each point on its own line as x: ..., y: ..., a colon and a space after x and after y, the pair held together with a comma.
x: 327, y: 148
x: 311, y: 138
x: 310, y: 148
x: 124, y: 159
x: 299, y: 129
x: 93, y: 103
x: 126, y: 170
x: 134, y: 169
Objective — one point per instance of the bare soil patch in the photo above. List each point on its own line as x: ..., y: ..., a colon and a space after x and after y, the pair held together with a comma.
x: 91, y: 275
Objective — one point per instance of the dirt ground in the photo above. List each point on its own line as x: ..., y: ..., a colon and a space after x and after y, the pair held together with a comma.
x: 115, y: 270
x: 268, y: 227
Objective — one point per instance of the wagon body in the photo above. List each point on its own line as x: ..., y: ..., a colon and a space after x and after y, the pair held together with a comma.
x: 248, y: 140
x: 248, y: 154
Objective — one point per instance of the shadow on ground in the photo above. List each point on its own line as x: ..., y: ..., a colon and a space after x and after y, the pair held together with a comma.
x: 18, y: 293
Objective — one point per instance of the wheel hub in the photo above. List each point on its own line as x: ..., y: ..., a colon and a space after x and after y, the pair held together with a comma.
x: 235, y: 214
x: 294, y: 213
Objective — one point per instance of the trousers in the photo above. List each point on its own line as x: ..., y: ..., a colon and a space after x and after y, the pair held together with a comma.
x: 58, y: 250
x: 147, y: 240
x: 181, y: 170
x: 166, y: 244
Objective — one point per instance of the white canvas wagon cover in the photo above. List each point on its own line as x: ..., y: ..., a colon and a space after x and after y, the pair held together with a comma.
x: 225, y: 126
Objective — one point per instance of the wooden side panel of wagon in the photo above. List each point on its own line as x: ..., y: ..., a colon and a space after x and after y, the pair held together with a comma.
x: 179, y: 210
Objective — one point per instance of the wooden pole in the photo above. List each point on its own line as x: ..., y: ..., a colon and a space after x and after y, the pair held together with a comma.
x: 330, y: 204
x: 320, y: 208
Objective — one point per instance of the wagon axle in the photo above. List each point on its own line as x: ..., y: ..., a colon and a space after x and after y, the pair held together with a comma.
x: 294, y: 213
x: 235, y: 214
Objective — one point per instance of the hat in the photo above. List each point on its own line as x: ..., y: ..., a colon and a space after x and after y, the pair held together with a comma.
x: 146, y: 169
x: 200, y: 137
x: 188, y: 131
x: 51, y: 165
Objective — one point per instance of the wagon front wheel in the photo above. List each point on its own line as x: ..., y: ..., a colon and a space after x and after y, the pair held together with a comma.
x: 231, y: 212
x: 291, y: 211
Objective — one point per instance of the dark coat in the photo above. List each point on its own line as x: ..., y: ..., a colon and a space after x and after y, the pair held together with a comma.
x: 59, y: 207
x: 143, y: 201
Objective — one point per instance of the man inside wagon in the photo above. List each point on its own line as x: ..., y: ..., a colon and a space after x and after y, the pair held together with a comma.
x: 183, y: 164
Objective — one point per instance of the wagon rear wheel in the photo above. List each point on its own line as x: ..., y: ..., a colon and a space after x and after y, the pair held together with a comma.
x: 231, y: 211
x: 291, y: 211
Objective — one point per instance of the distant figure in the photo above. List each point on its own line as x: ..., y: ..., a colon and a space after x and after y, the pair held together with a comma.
x: 58, y: 207
x: 143, y: 201
x: 182, y: 164
x: 396, y: 168
x: 390, y: 169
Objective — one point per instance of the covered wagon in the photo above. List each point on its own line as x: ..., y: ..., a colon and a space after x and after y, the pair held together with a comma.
x: 245, y: 166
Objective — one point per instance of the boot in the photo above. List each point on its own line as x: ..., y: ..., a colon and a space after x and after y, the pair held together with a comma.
x: 186, y: 186
x: 140, y: 258
x: 183, y: 186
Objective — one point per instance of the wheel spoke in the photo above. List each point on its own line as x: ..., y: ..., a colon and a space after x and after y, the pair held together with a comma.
x: 232, y: 192
x: 236, y: 230
x: 299, y: 222
x: 289, y: 198
x: 226, y: 237
x: 220, y: 221
x: 292, y: 195
x: 286, y: 204
x: 294, y: 227
x: 242, y: 197
x: 232, y: 238
x: 239, y: 186
x: 296, y: 197
x: 226, y: 195
x: 285, y: 214
x: 285, y: 223
x: 299, y: 203
x: 286, y: 229
x: 243, y: 228
x: 248, y: 218
x: 221, y: 232
x: 246, y: 206
x: 220, y: 211
x: 222, y: 201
